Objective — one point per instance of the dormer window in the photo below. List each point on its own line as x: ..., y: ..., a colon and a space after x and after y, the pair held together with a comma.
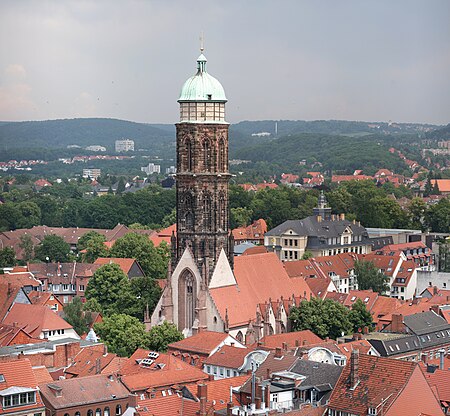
x: 209, y: 97
x: 372, y: 411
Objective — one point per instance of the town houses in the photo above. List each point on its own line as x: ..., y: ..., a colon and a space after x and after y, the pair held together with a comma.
x: 238, y: 303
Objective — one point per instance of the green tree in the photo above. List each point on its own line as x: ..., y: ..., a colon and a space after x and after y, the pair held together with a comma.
x: 29, y: 214
x: 437, y: 218
x: 7, y: 257
x: 369, y: 276
x: 307, y: 255
x: 360, y: 317
x: 53, y: 248
x: 120, y: 186
x: 326, y: 318
x: 122, y: 333
x: 110, y: 286
x: 75, y: 316
x: 85, y: 238
x: 92, y: 305
x: 26, y: 244
x: 153, y: 260
x: 444, y: 256
x: 416, y: 212
x: 95, y: 248
x: 240, y: 217
x: 160, y: 336
x: 147, y: 292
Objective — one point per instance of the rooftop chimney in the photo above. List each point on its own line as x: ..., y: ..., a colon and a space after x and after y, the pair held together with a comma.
x: 319, y: 218
x: 354, y: 369
x: 441, y: 359
x: 285, y: 346
x: 278, y: 353
x: 229, y: 409
x: 397, y: 323
x: 202, y: 394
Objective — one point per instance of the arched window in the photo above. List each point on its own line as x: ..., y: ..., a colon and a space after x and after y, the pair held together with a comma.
x: 207, y: 211
x: 222, y: 156
x: 207, y: 155
x: 66, y: 414
x: 187, y: 212
x: 187, y: 299
x: 222, y: 212
x: 189, y: 155
x: 98, y: 412
x: 239, y: 336
x: 106, y: 411
x: 77, y: 414
x: 90, y: 413
x: 118, y: 410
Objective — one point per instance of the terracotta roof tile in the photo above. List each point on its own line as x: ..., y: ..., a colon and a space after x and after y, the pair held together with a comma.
x: 168, y: 405
x: 123, y: 263
x: 204, y: 342
x: 291, y: 339
x: 34, y: 318
x: 227, y: 356
x: 83, y: 390
x: 42, y: 375
x: 441, y: 380
x: 254, y: 231
x: 255, y: 250
x: 165, y: 371
x: 89, y: 361
x: 240, y: 300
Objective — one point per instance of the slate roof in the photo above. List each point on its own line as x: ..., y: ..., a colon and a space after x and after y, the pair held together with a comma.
x: 317, y: 374
x: 319, y: 232
x: 83, y: 391
x: 426, y: 322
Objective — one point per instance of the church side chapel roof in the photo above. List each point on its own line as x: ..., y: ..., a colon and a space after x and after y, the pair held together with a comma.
x: 259, y: 277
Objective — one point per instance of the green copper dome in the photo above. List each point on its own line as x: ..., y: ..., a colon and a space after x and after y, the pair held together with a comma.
x: 202, y: 86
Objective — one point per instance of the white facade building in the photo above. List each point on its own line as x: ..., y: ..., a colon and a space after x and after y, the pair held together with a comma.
x: 151, y: 168
x: 125, y: 145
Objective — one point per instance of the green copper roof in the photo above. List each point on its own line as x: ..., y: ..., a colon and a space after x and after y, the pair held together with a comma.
x: 202, y: 86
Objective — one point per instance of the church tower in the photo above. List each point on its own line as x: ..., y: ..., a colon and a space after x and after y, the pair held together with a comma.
x: 202, y: 173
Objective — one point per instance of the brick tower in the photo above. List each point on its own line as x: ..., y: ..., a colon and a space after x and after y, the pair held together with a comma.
x: 202, y: 173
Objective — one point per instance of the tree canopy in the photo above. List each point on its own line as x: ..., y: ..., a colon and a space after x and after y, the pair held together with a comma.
x: 153, y: 260
x: 326, y: 318
x: 369, y: 276
x: 53, y: 248
x: 360, y: 317
x: 160, y: 336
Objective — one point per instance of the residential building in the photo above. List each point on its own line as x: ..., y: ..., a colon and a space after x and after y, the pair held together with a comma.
x: 13, y: 335
x: 322, y: 234
x: 19, y: 392
x: 229, y: 362
x: 151, y: 168
x: 39, y: 322
x: 443, y: 185
x: 171, y: 170
x: 99, y: 395
x: 379, y: 386
x: 197, y: 348
x: 147, y: 373
x: 129, y: 266
x: 96, y: 148
x: 124, y: 145
x: 91, y: 173
x: 254, y: 233
x: 429, y: 280
x: 89, y: 361
x: 47, y: 299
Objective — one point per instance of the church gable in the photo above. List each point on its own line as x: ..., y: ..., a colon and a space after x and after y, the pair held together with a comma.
x: 222, y: 275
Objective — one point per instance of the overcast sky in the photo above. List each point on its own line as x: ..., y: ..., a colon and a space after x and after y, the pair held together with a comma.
x: 374, y: 60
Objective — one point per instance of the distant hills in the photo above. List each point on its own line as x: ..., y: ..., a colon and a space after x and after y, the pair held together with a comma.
x: 248, y: 139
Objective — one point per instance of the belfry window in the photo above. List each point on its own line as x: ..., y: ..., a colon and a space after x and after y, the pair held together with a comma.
x: 207, y: 155
x: 222, y: 158
x: 189, y: 163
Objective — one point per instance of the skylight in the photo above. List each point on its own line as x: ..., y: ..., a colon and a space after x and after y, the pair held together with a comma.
x: 2, y: 378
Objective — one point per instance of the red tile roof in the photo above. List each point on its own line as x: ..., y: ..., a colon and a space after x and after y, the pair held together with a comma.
x: 362, y: 345
x: 204, y: 342
x: 379, y: 378
x: 18, y: 373
x: 443, y: 184
x: 291, y: 339
x: 440, y: 379
x: 168, y: 405
x: 254, y: 231
x: 227, y: 356
x: 240, y: 300
x: 368, y: 297
x: 165, y: 371
x: 123, y: 263
x: 319, y: 285
x: 89, y: 361
x: 84, y: 390
x: 8, y: 294
x: 34, y: 318
x: 301, y: 268
x: 42, y: 375
x: 254, y: 250
x: 13, y: 335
